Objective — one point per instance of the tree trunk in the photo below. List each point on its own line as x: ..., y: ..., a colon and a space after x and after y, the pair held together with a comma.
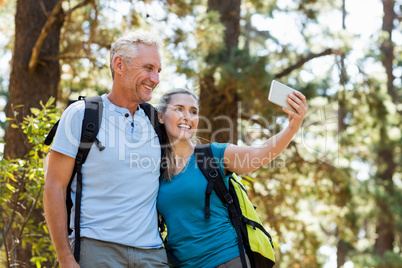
x: 29, y: 88
x: 385, y: 221
x: 386, y: 163
x: 342, y: 250
x: 343, y: 79
x: 342, y: 246
x: 387, y: 47
x: 218, y: 105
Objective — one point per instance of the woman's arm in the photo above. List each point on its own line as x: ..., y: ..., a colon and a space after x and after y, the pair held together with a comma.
x: 248, y: 158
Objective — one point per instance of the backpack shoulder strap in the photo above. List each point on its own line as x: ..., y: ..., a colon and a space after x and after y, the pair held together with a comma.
x: 90, y: 128
x: 50, y: 135
x: 52, y: 132
x: 208, y: 166
x: 152, y: 114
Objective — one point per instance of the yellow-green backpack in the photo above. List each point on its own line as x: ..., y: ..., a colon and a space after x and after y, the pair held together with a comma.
x: 251, y: 235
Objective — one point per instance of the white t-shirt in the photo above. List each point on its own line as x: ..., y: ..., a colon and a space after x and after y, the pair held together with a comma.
x: 120, y: 183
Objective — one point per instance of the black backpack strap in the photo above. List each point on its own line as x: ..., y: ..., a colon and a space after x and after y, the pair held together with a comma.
x: 255, y: 225
x: 169, y: 252
x: 50, y: 136
x: 152, y: 114
x: 208, y: 166
x: 90, y: 128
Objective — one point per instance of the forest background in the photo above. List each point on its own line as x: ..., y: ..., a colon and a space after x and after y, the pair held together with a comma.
x: 332, y: 199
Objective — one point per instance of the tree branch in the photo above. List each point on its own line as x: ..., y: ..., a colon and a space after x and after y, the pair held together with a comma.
x: 35, y: 201
x: 66, y: 57
x: 94, y: 26
x: 309, y: 57
x: 83, y: 3
x: 14, y: 209
x: 42, y: 5
x: 45, y: 30
x: 3, y: 230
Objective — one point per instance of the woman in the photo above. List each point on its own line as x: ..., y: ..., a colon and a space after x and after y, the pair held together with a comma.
x: 194, y: 240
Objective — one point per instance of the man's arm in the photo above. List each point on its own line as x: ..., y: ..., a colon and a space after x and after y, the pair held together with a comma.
x: 54, y: 199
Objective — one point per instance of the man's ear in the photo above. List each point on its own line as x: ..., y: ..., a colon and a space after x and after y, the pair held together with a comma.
x: 160, y: 118
x: 118, y: 64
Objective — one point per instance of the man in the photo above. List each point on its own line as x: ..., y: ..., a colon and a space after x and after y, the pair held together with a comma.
x: 119, y: 225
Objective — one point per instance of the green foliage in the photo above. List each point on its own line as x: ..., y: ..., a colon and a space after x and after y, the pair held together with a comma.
x: 86, y: 38
x: 190, y: 46
x: 303, y: 200
x: 21, y: 189
x: 183, y: 8
x: 389, y: 260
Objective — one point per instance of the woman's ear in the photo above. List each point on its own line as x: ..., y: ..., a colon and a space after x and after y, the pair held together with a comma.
x: 160, y: 118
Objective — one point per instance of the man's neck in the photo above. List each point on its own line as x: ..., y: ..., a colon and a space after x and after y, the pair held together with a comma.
x: 119, y: 101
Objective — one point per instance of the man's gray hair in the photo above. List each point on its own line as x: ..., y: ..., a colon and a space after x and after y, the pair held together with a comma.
x: 127, y: 45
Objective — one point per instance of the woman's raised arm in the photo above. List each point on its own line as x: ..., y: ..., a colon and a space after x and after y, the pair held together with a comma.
x: 244, y: 159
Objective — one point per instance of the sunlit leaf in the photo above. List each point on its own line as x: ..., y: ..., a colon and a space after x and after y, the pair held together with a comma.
x: 10, y: 187
x: 11, y: 176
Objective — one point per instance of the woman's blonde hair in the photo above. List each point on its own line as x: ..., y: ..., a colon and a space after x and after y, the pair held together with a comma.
x: 162, y: 107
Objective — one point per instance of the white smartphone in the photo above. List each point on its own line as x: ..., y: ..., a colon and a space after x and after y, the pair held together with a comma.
x: 278, y: 94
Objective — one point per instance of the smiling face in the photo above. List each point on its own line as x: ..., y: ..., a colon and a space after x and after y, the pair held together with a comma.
x: 140, y: 74
x: 180, y: 117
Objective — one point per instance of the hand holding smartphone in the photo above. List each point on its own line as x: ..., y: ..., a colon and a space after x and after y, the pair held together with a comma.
x: 278, y: 94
